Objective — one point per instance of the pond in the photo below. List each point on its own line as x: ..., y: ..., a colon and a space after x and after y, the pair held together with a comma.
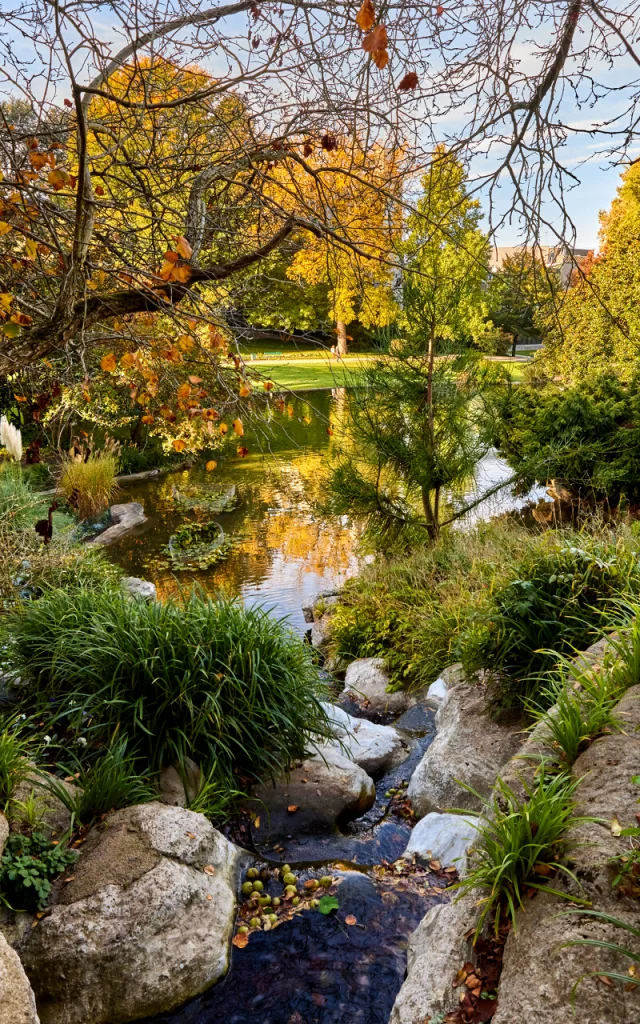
x: 284, y: 552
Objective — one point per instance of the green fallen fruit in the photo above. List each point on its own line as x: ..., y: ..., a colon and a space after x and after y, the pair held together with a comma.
x: 290, y: 890
x: 264, y: 901
x: 247, y: 888
x: 326, y: 881
x: 285, y: 869
x: 255, y: 922
x: 289, y: 878
x: 252, y: 873
x: 276, y: 901
x: 273, y: 918
x: 312, y: 884
x: 295, y: 901
x: 315, y: 903
x: 242, y: 930
x: 258, y: 886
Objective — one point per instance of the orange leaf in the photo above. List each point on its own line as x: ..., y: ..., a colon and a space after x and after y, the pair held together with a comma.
x: 167, y: 413
x: 292, y: 808
x: 184, y: 390
x: 223, y: 428
x: 58, y: 179
x: 127, y: 360
x: 179, y: 445
x: 108, y: 363
x: 211, y: 465
x: 148, y: 418
x: 181, y: 274
x: 184, y: 248
x: 240, y: 940
x: 38, y: 160
x: 329, y: 431
x: 439, y: 10
x: 366, y: 16
x: 242, y: 451
x: 195, y: 380
x: 380, y: 58
x: 99, y: 191
x: 171, y: 256
x: 238, y: 428
x: 350, y: 919
x: 166, y: 270
x: 279, y: 404
x: 376, y: 40
x: 268, y: 385
x: 4, y: 227
x: 209, y: 869
x: 244, y: 390
x: 410, y: 81
x: 20, y: 398
x: 256, y: 822
x: 211, y: 414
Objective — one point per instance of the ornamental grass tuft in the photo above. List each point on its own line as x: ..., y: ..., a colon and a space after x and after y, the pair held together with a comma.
x: 230, y: 687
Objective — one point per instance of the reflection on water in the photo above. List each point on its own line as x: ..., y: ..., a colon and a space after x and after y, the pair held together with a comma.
x: 285, y: 553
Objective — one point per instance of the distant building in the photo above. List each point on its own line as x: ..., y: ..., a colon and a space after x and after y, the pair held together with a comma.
x: 561, y: 258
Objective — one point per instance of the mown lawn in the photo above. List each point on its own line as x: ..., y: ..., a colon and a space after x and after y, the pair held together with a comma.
x: 302, y: 374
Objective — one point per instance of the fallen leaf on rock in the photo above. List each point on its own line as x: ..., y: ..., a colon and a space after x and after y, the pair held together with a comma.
x: 435, y: 865
x: 240, y: 940
x: 209, y: 869
x: 209, y: 896
x: 350, y: 919
x: 256, y: 822
x: 616, y: 827
x: 292, y: 808
x: 191, y: 835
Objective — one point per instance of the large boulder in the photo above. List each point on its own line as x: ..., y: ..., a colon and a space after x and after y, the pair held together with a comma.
x: 143, y: 924
x: 324, y: 791
x: 366, y: 682
x: 443, y: 837
x: 178, y: 789
x: 17, y: 1002
x: 376, y: 748
x: 123, y: 519
x: 437, y: 949
x: 470, y: 747
x: 539, y: 970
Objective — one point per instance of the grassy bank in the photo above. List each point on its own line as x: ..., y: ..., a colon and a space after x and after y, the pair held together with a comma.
x: 499, y: 597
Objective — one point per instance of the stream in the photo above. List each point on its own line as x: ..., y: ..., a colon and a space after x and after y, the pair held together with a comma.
x: 312, y: 968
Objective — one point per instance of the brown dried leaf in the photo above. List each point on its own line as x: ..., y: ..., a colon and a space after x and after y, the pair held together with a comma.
x: 209, y: 869
x: 375, y: 40
x: 410, y: 81
x: 366, y: 16
x: 380, y: 58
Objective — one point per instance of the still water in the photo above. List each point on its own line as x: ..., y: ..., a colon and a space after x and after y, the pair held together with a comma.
x: 284, y: 550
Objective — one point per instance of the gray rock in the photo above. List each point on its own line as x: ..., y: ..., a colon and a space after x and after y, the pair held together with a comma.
x: 4, y: 833
x: 376, y: 748
x: 17, y: 1002
x: 326, y: 789
x: 123, y: 518
x: 469, y: 748
x: 443, y: 837
x: 538, y: 975
x: 316, y: 606
x: 172, y: 788
x: 437, y: 950
x: 366, y: 682
x: 136, y: 587
x: 144, y: 925
x: 450, y: 676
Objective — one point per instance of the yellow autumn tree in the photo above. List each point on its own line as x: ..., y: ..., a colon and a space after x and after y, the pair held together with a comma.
x: 355, y: 189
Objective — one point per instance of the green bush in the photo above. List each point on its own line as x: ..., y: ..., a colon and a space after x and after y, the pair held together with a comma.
x: 557, y: 599
x: 227, y: 686
x: 588, y: 436
x: 28, y: 866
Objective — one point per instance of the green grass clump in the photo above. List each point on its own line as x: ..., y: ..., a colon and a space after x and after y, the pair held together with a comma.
x: 520, y: 846
x: 230, y: 687
x: 108, y: 783
x: 89, y: 486
x: 15, y: 748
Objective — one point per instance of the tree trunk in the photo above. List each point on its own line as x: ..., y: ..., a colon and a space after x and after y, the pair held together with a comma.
x: 432, y: 524
x: 432, y: 351
x: 341, y: 331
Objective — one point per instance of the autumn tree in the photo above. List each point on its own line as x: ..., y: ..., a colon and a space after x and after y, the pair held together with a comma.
x: 348, y: 72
